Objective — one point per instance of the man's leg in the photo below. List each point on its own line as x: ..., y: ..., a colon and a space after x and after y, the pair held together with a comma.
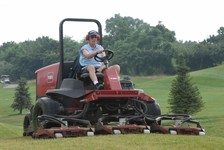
x: 117, y: 68
x: 91, y: 69
x: 92, y: 74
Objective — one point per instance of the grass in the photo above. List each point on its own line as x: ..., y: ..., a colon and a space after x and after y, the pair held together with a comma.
x: 115, y: 142
x: 209, y: 81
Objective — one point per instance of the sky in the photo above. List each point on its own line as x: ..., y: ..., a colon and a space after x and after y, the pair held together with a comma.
x: 191, y: 20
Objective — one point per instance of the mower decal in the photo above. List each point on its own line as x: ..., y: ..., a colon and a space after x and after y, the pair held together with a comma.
x: 112, y: 78
x: 50, y: 76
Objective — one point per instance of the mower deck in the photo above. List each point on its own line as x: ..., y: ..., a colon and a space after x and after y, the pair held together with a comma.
x: 120, y: 125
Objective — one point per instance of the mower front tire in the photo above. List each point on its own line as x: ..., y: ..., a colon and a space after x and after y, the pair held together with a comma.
x: 44, y: 106
x: 27, y: 126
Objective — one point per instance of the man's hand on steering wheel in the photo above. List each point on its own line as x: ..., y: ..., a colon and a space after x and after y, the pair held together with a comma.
x: 108, y: 55
x: 99, y: 51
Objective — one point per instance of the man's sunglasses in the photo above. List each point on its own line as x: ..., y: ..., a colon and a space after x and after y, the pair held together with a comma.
x: 93, y: 36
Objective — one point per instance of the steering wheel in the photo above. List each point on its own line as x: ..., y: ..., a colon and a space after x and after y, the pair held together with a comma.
x: 108, y: 56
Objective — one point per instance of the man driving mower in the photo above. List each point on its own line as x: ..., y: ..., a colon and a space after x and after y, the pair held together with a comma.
x: 87, y: 61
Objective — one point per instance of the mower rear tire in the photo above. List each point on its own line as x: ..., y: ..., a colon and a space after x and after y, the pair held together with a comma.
x: 153, y: 109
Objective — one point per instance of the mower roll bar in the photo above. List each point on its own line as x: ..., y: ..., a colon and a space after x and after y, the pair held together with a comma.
x: 61, y: 40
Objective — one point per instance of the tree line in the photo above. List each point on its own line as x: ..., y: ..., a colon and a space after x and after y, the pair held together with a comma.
x: 140, y: 49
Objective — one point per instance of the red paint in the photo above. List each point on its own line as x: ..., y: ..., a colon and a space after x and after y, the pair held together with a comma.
x: 111, y: 80
x: 46, y: 78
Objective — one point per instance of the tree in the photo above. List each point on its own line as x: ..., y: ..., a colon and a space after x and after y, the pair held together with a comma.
x: 22, y: 98
x: 184, y: 97
x: 143, y: 49
x: 5, y: 67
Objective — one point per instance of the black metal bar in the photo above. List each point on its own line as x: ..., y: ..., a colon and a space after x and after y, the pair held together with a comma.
x: 51, y: 118
x: 61, y: 75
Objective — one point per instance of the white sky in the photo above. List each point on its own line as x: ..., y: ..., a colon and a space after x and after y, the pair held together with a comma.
x: 191, y: 20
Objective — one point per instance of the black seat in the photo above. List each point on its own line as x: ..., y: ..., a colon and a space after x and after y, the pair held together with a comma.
x: 76, y: 70
x: 85, y: 75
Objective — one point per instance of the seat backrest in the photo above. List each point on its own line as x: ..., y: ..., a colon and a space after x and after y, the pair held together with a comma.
x: 76, y: 69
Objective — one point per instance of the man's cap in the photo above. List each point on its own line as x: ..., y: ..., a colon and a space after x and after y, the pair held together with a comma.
x: 93, y: 32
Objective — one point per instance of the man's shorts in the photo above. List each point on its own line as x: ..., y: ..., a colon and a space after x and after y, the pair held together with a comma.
x: 84, y: 69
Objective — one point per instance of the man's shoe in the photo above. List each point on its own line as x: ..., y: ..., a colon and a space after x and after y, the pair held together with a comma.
x: 99, y: 86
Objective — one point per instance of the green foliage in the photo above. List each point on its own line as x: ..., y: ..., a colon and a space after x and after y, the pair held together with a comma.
x: 22, y: 99
x: 5, y: 67
x: 141, y: 49
x: 28, y: 56
x: 71, y: 49
x: 184, y: 97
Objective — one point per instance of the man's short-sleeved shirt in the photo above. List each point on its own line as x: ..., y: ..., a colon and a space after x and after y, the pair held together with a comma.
x: 85, y: 61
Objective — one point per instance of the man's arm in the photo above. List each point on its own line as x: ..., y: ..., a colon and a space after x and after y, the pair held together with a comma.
x: 91, y: 55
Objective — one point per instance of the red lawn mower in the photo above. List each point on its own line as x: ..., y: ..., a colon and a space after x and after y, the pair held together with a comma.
x: 68, y: 105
